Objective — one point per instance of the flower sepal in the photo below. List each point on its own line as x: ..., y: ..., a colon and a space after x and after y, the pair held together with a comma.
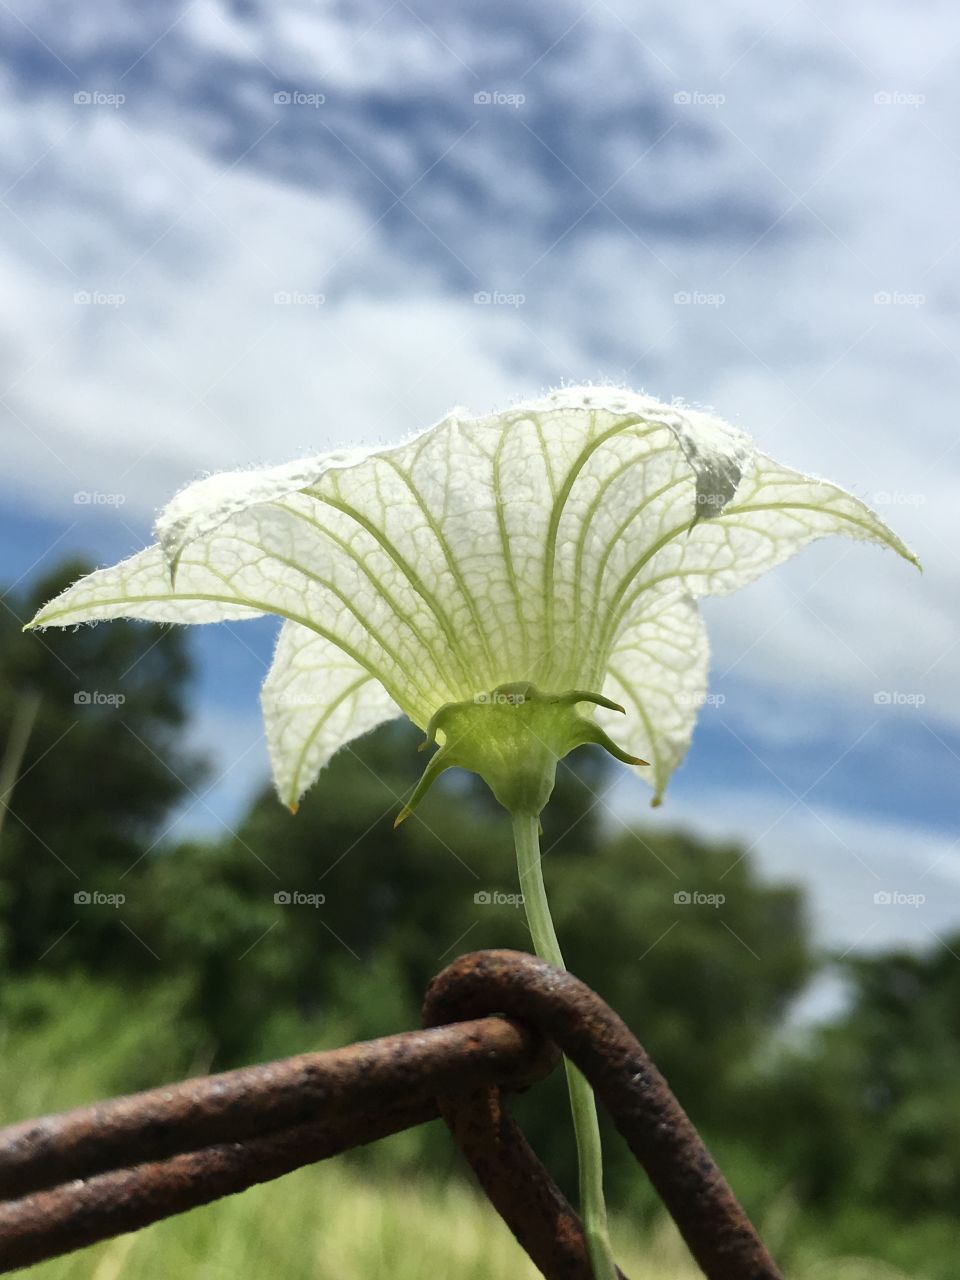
x: 513, y: 736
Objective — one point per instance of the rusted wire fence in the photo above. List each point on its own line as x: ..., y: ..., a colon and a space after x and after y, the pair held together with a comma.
x: 495, y: 1022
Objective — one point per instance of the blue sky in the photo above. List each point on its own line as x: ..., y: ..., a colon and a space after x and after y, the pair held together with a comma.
x: 232, y: 234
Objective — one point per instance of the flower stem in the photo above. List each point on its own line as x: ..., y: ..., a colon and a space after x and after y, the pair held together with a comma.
x: 582, y: 1105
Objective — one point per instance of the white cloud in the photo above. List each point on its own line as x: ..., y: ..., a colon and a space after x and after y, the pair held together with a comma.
x: 797, y: 200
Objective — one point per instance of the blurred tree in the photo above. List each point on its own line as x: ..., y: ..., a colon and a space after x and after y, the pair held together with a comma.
x: 868, y: 1111
x: 92, y: 761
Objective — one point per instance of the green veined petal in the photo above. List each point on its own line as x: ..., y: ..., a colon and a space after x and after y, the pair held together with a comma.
x: 315, y: 700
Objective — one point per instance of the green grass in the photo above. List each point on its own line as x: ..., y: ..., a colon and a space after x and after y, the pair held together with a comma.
x: 330, y: 1223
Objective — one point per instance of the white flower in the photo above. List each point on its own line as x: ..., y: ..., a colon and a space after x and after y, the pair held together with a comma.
x: 562, y: 543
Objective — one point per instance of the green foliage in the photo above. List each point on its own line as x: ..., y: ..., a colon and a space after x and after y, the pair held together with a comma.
x: 94, y: 779
x: 70, y: 1039
x: 868, y: 1111
x: 326, y: 1223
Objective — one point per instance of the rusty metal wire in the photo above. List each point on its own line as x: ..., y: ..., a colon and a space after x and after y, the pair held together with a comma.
x: 72, y: 1179
x: 150, y: 1155
x: 655, y: 1126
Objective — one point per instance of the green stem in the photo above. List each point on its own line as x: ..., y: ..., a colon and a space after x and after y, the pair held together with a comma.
x: 582, y: 1105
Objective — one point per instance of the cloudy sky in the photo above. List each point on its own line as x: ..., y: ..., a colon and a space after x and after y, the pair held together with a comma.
x: 235, y: 233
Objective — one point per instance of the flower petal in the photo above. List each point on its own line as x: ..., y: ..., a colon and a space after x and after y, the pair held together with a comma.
x: 315, y: 700
x: 658, y: 672
x: 554, y: 542
x: 479, y: 517
x: 277, y: 557
x: 774, y: 513
x: 140, y: 588
x: 202, y: 507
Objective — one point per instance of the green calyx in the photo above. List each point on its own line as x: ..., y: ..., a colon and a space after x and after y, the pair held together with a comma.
x: 513, y: 737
